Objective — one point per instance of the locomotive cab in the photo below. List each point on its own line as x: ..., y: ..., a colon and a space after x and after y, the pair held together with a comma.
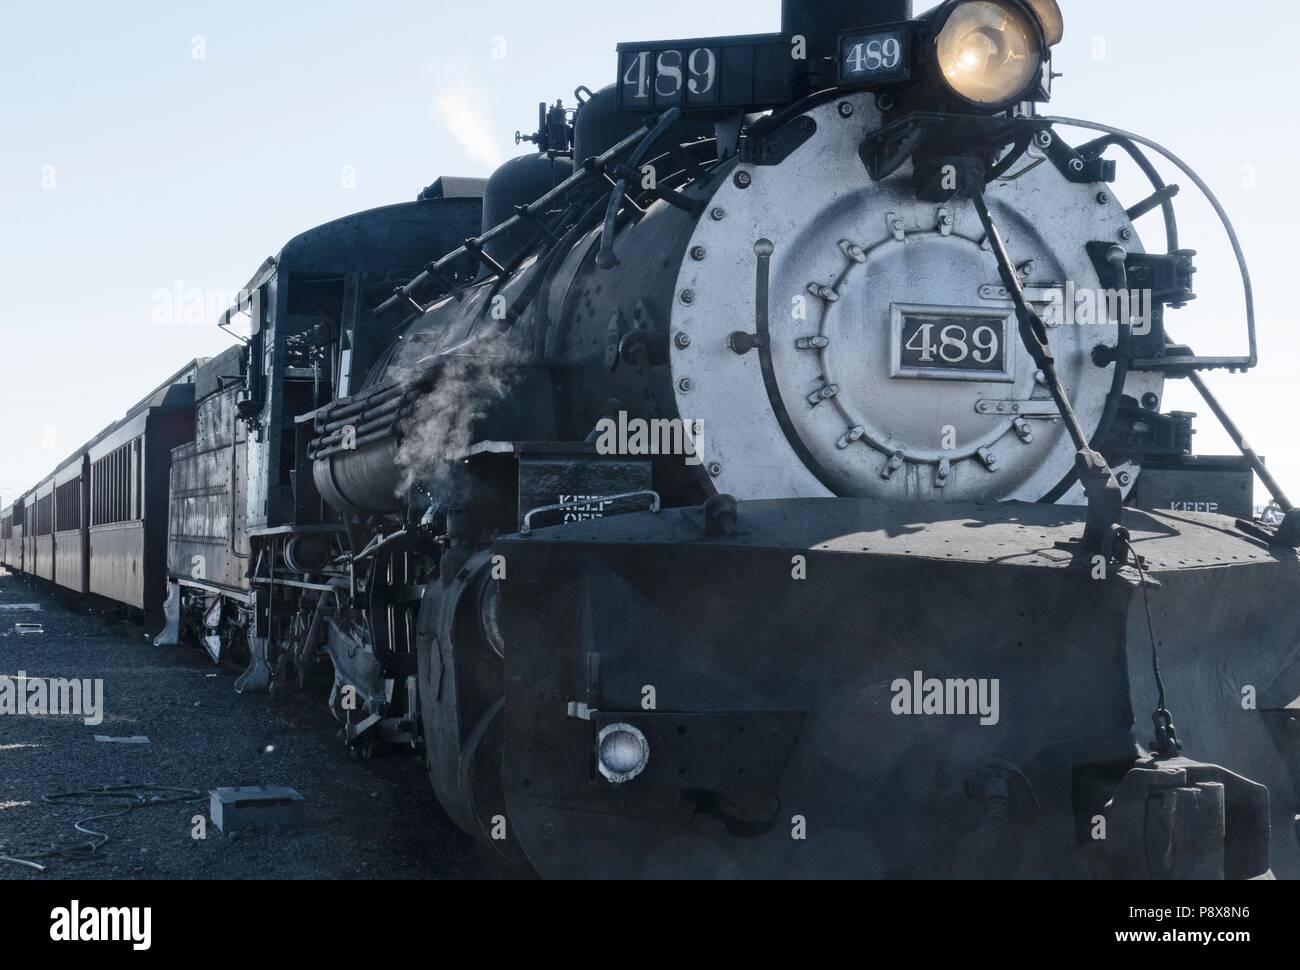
x: 311, y: 337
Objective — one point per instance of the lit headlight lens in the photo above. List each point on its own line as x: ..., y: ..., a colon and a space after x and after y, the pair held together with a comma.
x: 989, y: 52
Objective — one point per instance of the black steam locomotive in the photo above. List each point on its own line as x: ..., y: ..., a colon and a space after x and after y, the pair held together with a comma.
x: 767, y: 476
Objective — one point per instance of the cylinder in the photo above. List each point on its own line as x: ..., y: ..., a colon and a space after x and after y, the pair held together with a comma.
x: 363, y: 482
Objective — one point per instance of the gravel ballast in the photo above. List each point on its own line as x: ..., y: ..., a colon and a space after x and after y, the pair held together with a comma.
x: 363, y: 818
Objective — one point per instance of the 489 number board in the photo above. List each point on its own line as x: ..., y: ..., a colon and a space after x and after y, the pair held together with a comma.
x: 881, y: 55
x: 715, y: 75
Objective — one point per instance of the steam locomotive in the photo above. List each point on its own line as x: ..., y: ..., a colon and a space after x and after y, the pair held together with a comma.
x: 765, y: 477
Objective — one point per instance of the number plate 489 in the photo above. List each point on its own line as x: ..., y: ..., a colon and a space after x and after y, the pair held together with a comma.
x: 670, y: 78
x: 940, y: 343
x: 876, y: 57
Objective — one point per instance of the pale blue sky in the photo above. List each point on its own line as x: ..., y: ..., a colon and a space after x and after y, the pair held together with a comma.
x: 128, y: 163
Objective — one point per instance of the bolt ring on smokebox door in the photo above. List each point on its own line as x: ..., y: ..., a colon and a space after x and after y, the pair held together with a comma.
x: 858, y: 428
x: 805, y: 415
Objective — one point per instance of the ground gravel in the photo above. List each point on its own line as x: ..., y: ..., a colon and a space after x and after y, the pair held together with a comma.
x: 364, y: 818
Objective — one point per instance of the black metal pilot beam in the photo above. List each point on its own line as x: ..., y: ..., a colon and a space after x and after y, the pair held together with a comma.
x: 821, y: 21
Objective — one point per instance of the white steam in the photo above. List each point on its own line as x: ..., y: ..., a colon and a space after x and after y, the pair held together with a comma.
x: 463, y: 110
x: 443, y: 423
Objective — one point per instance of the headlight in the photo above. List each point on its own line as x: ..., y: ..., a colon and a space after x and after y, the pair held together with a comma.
x: 990, y: 51
x: 622, y: 752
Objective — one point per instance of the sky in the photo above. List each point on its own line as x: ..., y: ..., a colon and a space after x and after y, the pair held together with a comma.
x: 149, y: 148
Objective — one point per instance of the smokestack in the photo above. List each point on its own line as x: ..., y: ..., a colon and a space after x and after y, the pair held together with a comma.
x: 821, y: 21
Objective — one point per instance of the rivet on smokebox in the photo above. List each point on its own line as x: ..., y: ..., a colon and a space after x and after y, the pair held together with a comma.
x: 688, y: 297
x: 682, y: 340
x: 744, y: 180
x: 686, y: 385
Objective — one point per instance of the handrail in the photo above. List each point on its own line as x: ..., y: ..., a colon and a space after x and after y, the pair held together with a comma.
x: 588, y: 169
x: 1194, y: 362
x: 655, y: 505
